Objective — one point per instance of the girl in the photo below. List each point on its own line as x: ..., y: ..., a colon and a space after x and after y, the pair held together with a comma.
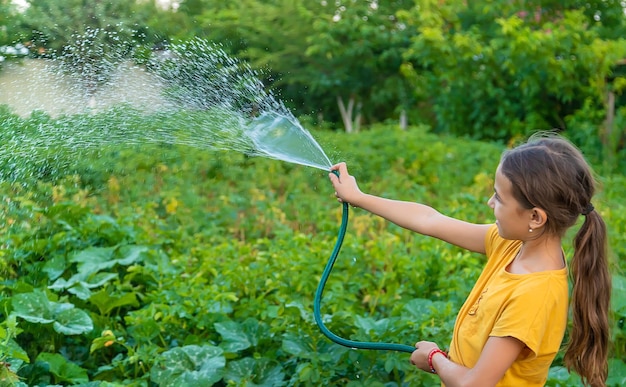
x: 511, y: 326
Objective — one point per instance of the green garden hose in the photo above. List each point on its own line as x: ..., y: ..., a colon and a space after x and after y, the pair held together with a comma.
x: 318, y: 299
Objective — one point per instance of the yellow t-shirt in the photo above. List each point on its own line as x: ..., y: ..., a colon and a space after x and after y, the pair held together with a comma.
x: 530, y: 307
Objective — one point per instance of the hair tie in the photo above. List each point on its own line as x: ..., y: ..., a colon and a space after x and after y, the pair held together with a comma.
x: 587, y: 209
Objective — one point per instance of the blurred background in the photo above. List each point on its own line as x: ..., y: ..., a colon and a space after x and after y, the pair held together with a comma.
x: 488, y: 70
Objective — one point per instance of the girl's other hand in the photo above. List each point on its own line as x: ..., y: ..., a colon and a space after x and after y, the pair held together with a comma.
x: 419, y: 357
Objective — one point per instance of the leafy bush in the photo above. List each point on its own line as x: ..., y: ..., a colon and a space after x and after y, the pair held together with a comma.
x: 155, y: 264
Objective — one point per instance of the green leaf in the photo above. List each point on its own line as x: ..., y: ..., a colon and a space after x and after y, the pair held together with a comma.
x: 106, y: 302
x: 63, y: 369
x: 560, y: 376
x: 94, y: 259
x: 81, y: 283
x: 98, y: 279
x: 255, y: 372
x: 241, y: 370
x: 370, y: 325
x: 190, y: 366
x: 12, y: 350
x: 390, y: 363
x: 130, y: 254
x: 36, y: 308
x: 296, y: 346
x: 237, y: 337
x: 7, y: 376
x: 234, y: 337
x: 73, y: 322
x: 418, y: 308
x: 80, y: 290
x: 618, y: 299
x: 33, y: 307
x: 617, y: 373
x: 270, y: 374
x: 55, y: 267
x: 145, y: 331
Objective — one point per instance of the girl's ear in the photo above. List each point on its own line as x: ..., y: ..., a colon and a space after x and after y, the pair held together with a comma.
x: 538, y: 217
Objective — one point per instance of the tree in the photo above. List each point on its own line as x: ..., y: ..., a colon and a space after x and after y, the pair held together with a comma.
x: 362, y: 45
x: 273, y: 37
x: 500, y: 71
x: 340, y: 61
x: 7, y: 13
x: 8, y: 47
x: 606, y: 17
x: 51, y: 24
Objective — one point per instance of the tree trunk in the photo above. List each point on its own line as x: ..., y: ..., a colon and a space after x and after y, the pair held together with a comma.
x: 92, y: 104
x: 607, y: 138
x: 404, y: 121
x: 346, y: 113
x: 358, y: 117
x: 350, y: 116
x: 610, y: 116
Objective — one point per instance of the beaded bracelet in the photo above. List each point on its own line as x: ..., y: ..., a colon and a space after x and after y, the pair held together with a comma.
x: 430, y: 358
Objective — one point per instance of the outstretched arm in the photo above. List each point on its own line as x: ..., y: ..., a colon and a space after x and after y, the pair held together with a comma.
x: 412, y: 216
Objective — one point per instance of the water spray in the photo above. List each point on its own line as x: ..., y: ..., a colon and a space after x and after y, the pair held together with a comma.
x: 320, y: 289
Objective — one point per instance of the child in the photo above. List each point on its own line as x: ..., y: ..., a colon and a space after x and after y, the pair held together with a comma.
x: 511, y: 326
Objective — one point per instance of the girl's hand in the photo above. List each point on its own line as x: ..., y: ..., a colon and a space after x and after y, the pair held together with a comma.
x: 419, y: 357
x: 346, y: 188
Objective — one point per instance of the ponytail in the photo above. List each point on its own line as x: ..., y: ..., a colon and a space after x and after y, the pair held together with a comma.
x: 588, y: 346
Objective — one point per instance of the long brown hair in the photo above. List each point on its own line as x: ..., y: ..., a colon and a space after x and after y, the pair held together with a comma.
x: 550, y: 173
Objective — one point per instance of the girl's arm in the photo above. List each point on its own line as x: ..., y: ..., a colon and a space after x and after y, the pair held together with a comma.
x: 496, y: 358
x: 412, y: 216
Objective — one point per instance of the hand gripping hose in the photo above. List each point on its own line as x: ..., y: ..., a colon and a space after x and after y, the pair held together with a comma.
x: 320, y: 289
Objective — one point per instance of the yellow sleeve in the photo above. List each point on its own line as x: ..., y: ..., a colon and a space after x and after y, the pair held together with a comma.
x: 491, y: 239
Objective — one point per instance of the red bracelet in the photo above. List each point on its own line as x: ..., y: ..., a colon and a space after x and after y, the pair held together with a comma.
x: 430, y: 358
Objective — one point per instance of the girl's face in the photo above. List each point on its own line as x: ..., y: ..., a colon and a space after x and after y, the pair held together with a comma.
x: 511, y: 218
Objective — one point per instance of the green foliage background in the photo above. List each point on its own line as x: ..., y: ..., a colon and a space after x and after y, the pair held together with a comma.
x: 165, y: 265
x: 489, y: 69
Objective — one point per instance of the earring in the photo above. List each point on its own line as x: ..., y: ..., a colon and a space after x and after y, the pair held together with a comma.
x: 530, y: 230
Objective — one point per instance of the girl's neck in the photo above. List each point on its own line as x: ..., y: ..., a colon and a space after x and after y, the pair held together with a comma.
x: 542, y: 254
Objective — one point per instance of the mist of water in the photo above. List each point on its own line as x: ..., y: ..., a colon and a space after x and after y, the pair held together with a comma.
x: 198, y: 96
x: 199, y: 75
